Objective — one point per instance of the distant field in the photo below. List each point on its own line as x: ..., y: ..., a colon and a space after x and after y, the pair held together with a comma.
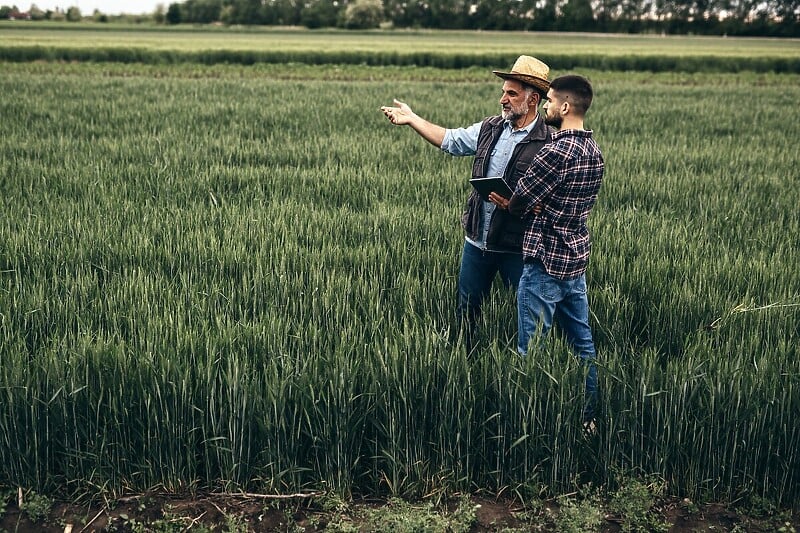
x: 23, y: 41
x: 494, y: 42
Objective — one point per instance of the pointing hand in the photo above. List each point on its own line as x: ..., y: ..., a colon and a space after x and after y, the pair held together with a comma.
x: 398, y: 115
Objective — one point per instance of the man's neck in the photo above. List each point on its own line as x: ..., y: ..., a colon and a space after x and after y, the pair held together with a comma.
x: 574, y: 124
x: 524, y: 122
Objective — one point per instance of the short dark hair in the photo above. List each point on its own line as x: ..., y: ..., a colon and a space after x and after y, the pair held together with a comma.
x: 578, y: 87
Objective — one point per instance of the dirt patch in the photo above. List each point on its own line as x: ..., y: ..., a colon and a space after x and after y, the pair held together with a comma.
x: 165, y: 513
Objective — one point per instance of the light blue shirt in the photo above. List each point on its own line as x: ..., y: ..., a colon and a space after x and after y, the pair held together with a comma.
x: 464, y: 141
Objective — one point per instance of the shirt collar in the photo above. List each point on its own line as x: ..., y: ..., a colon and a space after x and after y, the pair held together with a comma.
x: 574, y: 133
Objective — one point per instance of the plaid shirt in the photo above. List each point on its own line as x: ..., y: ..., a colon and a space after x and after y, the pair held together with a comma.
x: 565, y: 177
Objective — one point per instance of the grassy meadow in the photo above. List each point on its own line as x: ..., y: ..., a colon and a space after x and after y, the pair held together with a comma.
x: 237, y: 277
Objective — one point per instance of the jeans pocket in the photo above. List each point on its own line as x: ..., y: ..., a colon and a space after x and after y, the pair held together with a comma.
x: 578, y: 285
x: 549, y: 289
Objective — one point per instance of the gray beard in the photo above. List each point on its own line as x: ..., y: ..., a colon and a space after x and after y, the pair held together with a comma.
x: 511, y: 116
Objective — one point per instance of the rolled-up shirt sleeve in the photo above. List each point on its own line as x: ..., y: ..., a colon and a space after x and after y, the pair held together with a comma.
x: 461, y: 141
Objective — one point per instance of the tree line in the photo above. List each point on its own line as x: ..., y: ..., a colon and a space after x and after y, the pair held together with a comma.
x: 708, y: 17
x: 777, y: 18
x: 73, y: 14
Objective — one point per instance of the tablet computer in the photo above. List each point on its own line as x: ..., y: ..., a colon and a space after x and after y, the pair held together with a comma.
x: 484, y: 186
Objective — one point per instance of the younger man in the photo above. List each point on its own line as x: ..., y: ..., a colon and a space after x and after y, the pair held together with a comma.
x: 565, y: 178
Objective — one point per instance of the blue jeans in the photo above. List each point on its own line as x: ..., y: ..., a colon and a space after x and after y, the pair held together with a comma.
x: 541, y: 299
x: 478, y: 270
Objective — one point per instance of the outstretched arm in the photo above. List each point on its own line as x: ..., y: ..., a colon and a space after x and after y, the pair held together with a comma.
x: 401, y: 114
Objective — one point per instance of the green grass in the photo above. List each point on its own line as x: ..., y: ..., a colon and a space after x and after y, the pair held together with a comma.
x: 221, y: 276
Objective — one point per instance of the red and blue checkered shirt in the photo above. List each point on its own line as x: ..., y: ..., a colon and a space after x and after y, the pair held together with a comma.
x: 564, y: 177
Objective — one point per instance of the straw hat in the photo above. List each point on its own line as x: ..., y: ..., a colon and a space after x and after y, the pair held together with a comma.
x: 530, y: 71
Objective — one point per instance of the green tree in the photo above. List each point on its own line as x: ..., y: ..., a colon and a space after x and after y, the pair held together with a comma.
x: 629, y: 15
x: 201, y: 11
x: 227, y: 13
x: 545, y: 16
x: 448, y: 14
x: 159, y: 14
x: 244, y: 12
x: 410, y: 13
x: 788, y: 16
x: 174, y: 14
x: 397, y: 11
x: 319, y: 14
x: 282, y: 12
x: 363, y: 14
x: 740, y: 12
x: 74, y: 14
x: 487, y: 15
x: 36, y: 13
x: 577, y: 15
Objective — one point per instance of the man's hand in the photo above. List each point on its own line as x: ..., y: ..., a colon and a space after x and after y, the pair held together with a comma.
x: 398, y: 115
x: 502, y: 203
x: 498, y: 200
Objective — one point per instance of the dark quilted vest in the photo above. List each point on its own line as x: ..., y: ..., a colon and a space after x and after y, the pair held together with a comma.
x: 505, y: 230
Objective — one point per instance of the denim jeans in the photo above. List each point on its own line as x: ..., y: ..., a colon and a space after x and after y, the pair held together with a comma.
x: 478, y: 270
x: 541, y: 299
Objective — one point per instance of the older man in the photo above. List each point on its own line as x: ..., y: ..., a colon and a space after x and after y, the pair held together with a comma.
x: 505, y: 146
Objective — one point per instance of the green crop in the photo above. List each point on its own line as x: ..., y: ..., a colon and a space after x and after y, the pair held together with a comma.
x: 223, y: 278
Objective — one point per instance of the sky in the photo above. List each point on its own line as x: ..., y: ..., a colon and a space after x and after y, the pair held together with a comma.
x: 87, y: 7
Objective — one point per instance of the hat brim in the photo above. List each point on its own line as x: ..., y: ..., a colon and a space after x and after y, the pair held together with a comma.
x: 539, y: 84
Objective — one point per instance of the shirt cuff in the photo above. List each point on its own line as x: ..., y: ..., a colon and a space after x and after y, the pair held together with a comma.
x: 518, y: 206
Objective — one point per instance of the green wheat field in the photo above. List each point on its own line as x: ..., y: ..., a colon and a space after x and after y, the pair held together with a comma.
x: 243, y: 277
